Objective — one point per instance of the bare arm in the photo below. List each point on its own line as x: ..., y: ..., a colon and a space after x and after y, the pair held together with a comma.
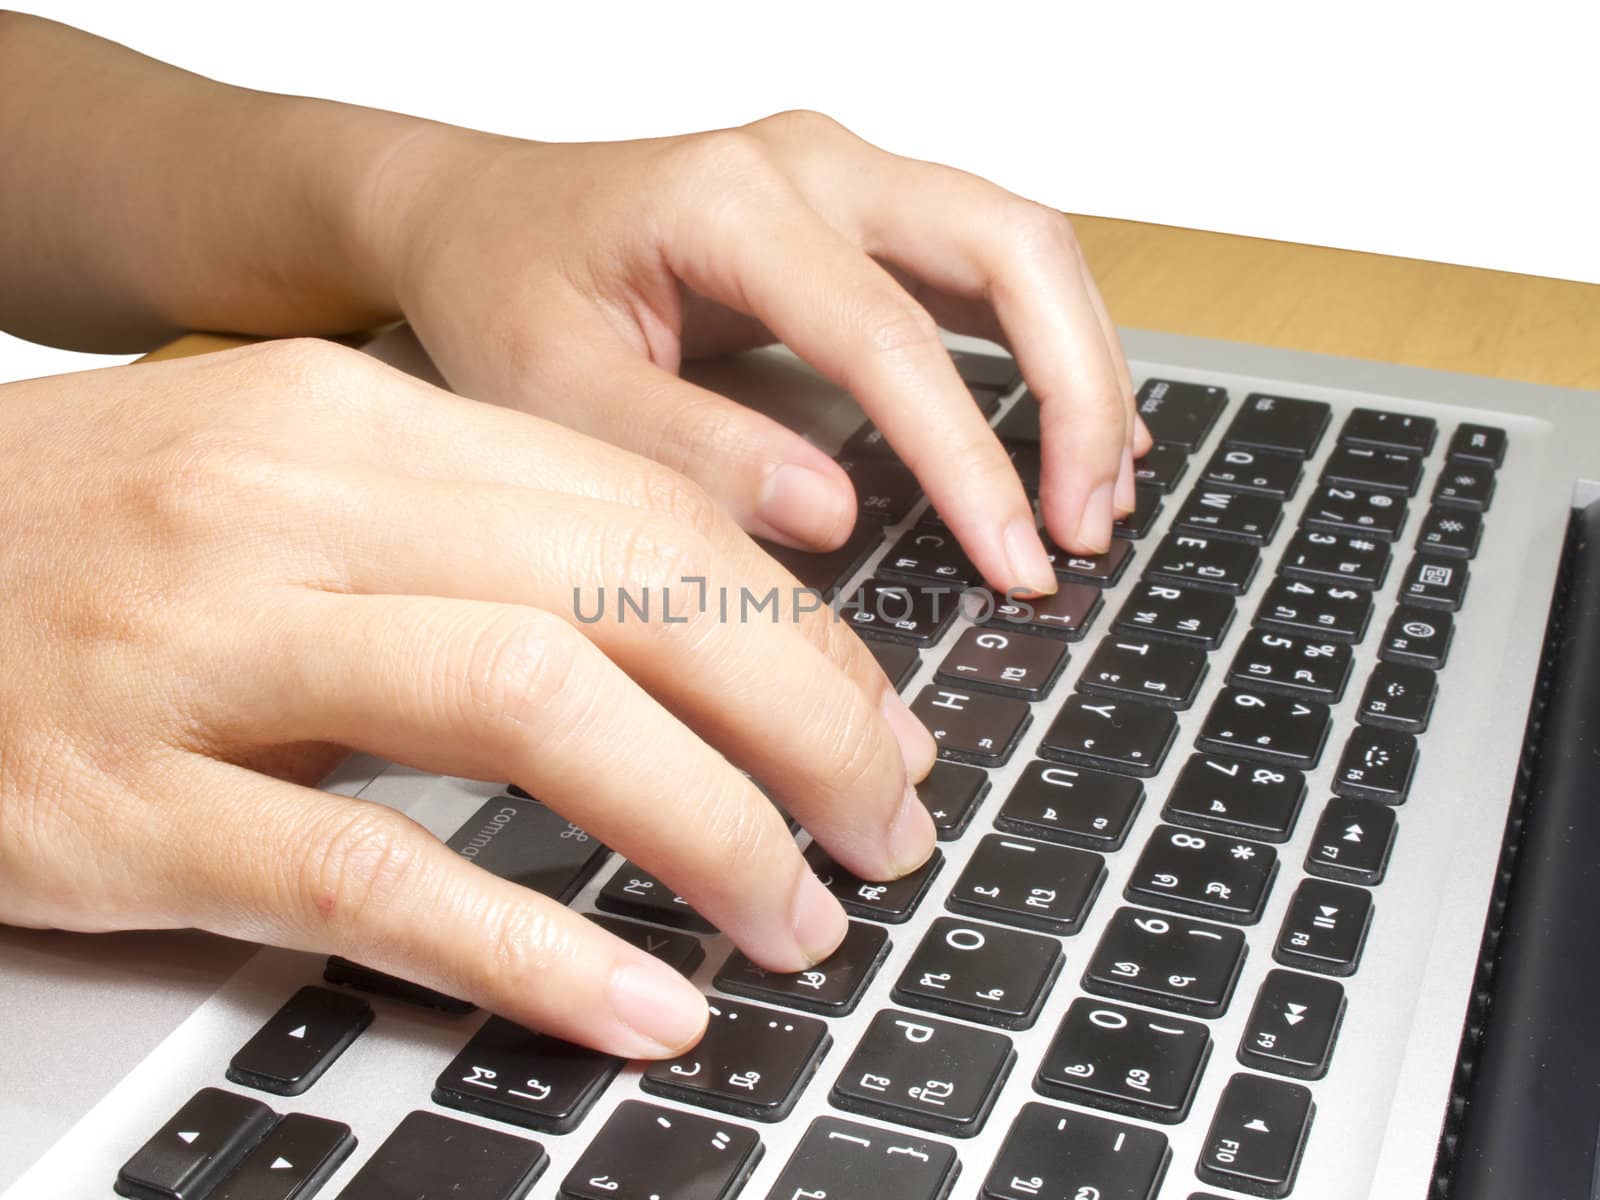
x: 137, y: 199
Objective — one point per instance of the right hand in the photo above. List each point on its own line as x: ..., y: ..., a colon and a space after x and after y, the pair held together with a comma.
x: 220, y: 571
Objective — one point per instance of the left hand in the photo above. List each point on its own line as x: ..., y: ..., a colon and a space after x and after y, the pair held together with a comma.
x: 570, y: 280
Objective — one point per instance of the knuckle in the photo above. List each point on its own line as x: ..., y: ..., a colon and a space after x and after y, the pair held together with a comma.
x: 857, y: 753
x: 304, y: 360
x: 525, y: 946
x: 514, y: 669
x: 743, y: 829
x: 680, y: 498
x: 804, y: 124
x: 900, y: 327
x: 653, y: 553
x: 1035, y: 230
x: 356, y: 865
x: 732, y: 154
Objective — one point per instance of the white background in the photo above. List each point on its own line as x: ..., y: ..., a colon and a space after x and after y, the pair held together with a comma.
x: 1460, y: 132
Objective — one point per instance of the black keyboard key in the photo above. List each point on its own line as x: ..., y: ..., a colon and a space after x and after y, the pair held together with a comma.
x: 1262, y: 472
x: 1102, y: 570
x: 971, y: 726
x: 1125, y: 1061
x: 1163, y: 465
x: 1195, y: 560
x: 1319, y: 610
x: 1358, y: 513
x: 1183, y: 614
x: 1257, y: 1136
x: 1279, y: 423
x: 1230, y: 796
x: 1209, y: 875
x: 893, y: 901
x: 929, y: 554
x: 1367, y: 467
x: 634, y: 892
x: 646, y: 1152
x: 1279, y: 730
x: 365, y: 979
x: 1451, y: 532
x: 290, y: 1163
x: 996, y: 372
x: 1357, y: 562
x: 867, y: 442
x: 527, y: 843
x: 1065, y: 614
x: 1072, y: 805
x: 833, y: 987
x: 1118, y: 735
x: 1004, y: 661
x: 1398, y: 696
x: 899, y: 612
x: 1377, y: 764
x: 511, y: 1074
x: 1053, y: 1152
x: 830, y: 570
x: 1294, y: 666
x: 199, y: 1144
x: 1020, y: 425
x: 1237, y: 515
x: 1180, y: 413
x: 1464, y: 484
x: 1027, y: 883
x: 839, y: 1158
x: 752, y: 1062
x: 1352, y: 841
x: 300, y: 1041
x: 1325, y: 928
x: 1292, y: 1028
x: 1029, y: 464
x: 680, y: 951
x: 982, y: 973
x: 1164, y: 673
x: 1435, y: 582
x: 897, y: 660
x: 1417, y: 638
x: 1167, y: 962
x: 430, y: 1157
x: 1138, y: 523
x: 929, y: 1074
x: 1389, y: 431
x: 886, y: 490
x: 951, y: 793
x: 1479, y: 444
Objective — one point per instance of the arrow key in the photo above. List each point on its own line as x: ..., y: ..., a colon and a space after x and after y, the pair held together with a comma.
x: 1293, y: 1026
x: 1257, y: 1137
x: 294, y: 1160
x: 196, y: 1148
x: 300, y: 1041
x: 1352, y: 841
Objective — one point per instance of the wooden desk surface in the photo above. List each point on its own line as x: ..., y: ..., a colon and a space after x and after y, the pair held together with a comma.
x: 1298, y: 297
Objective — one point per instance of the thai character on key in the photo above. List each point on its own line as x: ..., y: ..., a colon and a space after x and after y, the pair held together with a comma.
x: 1030, y: 1185
x: 812, y: 979
x: 935, y: 1091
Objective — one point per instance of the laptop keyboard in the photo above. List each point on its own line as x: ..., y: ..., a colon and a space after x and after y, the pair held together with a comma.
x: 1275, y: 539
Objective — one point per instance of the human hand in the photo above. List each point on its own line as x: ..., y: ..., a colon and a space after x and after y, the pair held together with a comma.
x: 571, y: 279
x: 221, y: 570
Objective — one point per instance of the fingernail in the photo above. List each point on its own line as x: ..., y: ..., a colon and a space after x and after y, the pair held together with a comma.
x: 1094, y: 529
x: 660, y: 1006
x: 1030, y: 566
x: 819, y: 923
x: 917, y: 747
x: 911, y: 835
x: 804, y: 505
x: 1125, y: 497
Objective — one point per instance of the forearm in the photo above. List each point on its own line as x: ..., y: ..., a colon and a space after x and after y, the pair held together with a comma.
x: 137, y: 199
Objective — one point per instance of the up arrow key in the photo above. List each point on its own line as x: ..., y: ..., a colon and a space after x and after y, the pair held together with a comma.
x: 282, y: 1164
x: 298, y: 1031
